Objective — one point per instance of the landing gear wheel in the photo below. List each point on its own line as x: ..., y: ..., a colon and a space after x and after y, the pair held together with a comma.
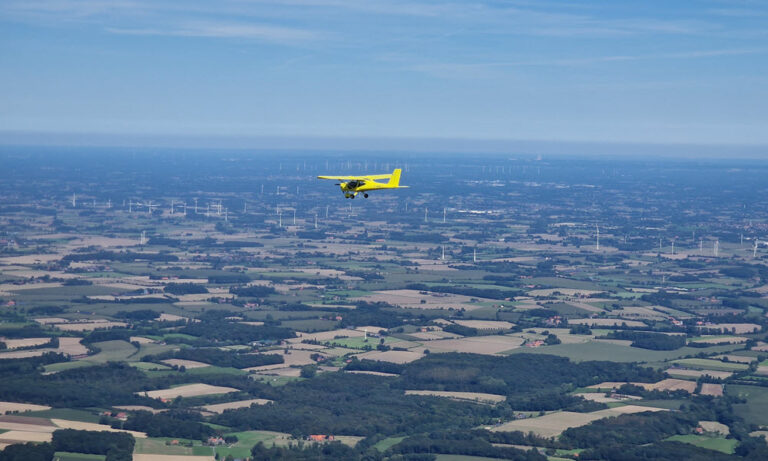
x: 352, y: 196
x: 365, y: 195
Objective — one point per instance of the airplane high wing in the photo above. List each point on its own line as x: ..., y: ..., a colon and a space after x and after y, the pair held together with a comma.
x: 371, y: 177
x: 352, y: 185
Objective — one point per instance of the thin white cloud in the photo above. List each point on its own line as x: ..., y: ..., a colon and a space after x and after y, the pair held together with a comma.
x: 74, y: 8
x: 485, y: 69
x: 226, y: 30
x: 514, y: 18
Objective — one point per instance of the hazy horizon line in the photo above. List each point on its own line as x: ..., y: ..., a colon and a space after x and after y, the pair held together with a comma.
x: 372, y: 144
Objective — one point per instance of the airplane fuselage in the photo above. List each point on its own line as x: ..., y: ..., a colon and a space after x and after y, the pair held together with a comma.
x: 353, y: 185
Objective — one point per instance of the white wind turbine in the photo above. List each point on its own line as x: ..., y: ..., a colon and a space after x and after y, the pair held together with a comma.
x: 597, y: 243
x: 150, y: 205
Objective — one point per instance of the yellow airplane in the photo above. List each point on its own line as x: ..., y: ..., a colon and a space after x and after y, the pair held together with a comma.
x: 352, y: 185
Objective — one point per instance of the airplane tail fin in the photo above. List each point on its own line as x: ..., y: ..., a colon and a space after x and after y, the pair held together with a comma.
x: 394, y: 180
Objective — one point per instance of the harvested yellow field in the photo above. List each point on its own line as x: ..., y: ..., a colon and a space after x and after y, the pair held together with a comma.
x: 477, y: 344
x: 81, y: 426
x: 88, y: 326
x: 628, y: 409
x: 23, y: 354
x: 14, y: 407
x: 553, y: 424
x: 25, y: 342
x: 170, y: 318
x: 714, y: 427
x: 274, y: 366
x: 550, y: 425
x: 715, y: 390
x: 221, y: 407
x: 295, y: 357
x: 189, y: 390
x: 672, y: 384
x: 27, y: 426
x: 471, y: 396
x: 22, y: 436
x: 485, y: 324
x: 71, y: 346
x: 30, y: 259
x: 188, y: 364
x: 141, y: 340
x: 153, y: 457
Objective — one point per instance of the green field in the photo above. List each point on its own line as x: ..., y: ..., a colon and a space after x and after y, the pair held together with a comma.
x: 755, y: 411
x: 112, y: 351
x: 61, y: 366
x: 66, y: 292
x: 150, y: 366
x: 557, y: 282
x: 616, y: 353
x: 386, y: 444
x: 310, y: 325
x: 360, y: 342
x: 708, y: 364
x: 721, y: 444
x: 153, y: 349
x: 66, y: 456
x: 668, y: 404
x: 246, y: 441
x: 464, y: 458
x: 160, y: 446
x: 347, y: 293
x: 275, y: 380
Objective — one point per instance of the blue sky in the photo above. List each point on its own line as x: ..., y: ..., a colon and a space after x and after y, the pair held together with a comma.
x: 602, y: 71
